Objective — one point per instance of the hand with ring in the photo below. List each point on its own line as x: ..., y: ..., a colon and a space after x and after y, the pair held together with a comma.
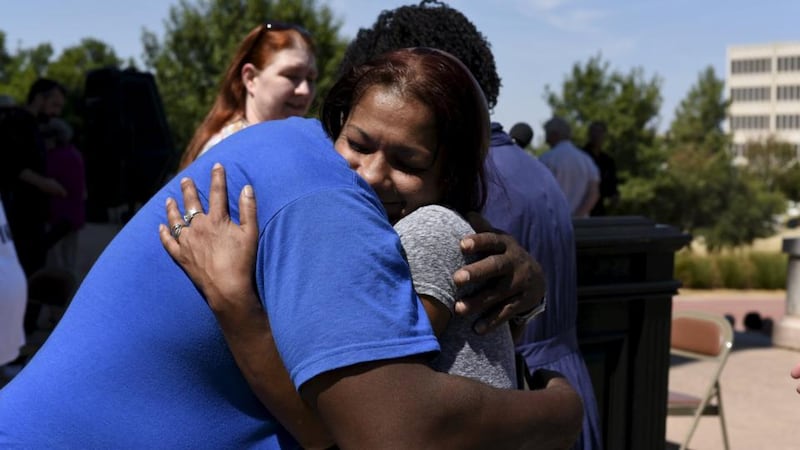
x: 219, y: 256
x: 190, y: 215
x: 175, y: 230
x: 216, y: 253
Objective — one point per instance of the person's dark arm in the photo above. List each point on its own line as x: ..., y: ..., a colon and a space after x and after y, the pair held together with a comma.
x: 512, y: 282
x: 434, y: 410
x: 402, y: 404
x: 45, y: 184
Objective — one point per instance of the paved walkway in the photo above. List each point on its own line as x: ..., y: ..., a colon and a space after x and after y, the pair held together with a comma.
x: 761, y: 405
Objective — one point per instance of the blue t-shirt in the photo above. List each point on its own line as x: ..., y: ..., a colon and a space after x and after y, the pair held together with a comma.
x: 138, y: 360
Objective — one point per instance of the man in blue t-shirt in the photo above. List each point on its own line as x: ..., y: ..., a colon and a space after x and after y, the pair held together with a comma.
x: 139, y: 361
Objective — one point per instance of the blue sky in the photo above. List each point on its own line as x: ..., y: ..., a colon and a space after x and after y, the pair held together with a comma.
x: 535, y: 42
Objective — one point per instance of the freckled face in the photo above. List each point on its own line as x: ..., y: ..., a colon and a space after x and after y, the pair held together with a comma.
x: 391, y: 142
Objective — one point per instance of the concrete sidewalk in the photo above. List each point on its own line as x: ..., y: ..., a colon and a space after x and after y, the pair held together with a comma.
x: 759, y: 397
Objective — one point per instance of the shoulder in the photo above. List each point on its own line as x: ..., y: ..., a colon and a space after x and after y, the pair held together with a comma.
x: 435, y: 221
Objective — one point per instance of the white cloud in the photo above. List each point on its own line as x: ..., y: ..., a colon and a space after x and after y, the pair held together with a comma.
x: 545, y: 5
x: 576, y: 20
x: 563, y: 15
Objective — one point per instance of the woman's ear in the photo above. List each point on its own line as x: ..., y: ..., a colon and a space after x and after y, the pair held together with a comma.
x: 249, y: 73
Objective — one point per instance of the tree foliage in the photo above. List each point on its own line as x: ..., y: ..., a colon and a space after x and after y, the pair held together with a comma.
x: 697, y: 187
x: 773, y: 163
x: 19, y: 69
x: 200, y: 38
x: 700, y: 191
x: 699, y: 116
x: 627, y: 102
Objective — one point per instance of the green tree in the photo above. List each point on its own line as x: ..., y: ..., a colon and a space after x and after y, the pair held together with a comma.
x: 5, y: 59
x: 70, y: 69
x: 21, y: 68
x: 697, y: 187
x: 72, y: 65
x: 769, y: 161
x: 627, y: 102
x: 199, y: 41
x: 698, y: 118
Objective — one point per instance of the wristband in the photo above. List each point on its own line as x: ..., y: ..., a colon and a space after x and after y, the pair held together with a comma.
x: 524, y: 318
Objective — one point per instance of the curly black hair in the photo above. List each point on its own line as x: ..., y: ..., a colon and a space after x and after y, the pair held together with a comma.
x: 430, y: 24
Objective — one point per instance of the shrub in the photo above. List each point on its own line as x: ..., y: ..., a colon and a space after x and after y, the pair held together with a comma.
x: 739, y: 270
x: 694, y: 272
x: 770, y: 269
x: 735, y: 271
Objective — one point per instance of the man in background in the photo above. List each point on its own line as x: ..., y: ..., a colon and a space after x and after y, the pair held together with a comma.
x: 522, y: 134
x: 25, y: 188
x: 609, y: 193
x: 574, y: 170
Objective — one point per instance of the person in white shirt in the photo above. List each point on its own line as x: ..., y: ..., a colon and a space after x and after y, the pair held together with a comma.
x: 13, y: 296
x: 574, y: 170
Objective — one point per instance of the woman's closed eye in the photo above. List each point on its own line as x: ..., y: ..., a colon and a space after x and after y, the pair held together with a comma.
x: 398, y: 159
x: 359, y: 147
x: 410, y: 166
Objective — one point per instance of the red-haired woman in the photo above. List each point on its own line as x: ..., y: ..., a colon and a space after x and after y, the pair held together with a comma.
x: 272, y: 76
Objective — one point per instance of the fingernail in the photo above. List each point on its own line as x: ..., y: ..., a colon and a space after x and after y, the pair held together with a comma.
x: 217, y: 165
x: 184, y: 180
x: 248, y: 191
x: 480, y: 327
x: 461, y: 276
x: 467, y: 244
x: 460, y: 307
x: 169, y: 199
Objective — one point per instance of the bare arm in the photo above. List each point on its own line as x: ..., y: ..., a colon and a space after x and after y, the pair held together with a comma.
x: 45, y: 184
x: 360, y: 401
x: 218, y: 256
x: 362, y: 407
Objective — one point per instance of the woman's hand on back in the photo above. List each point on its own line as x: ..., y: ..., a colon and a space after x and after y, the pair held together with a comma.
x: 216, y: 253
x: 511, y: 283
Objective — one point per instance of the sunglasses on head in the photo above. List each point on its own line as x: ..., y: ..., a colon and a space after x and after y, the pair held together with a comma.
x: 275, y: 25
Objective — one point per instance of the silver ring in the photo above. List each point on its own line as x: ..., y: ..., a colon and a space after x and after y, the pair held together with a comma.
x: 175, y: 230
x: 190, y: 215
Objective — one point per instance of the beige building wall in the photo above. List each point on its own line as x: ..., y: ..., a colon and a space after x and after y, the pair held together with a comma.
x: 763, y: 83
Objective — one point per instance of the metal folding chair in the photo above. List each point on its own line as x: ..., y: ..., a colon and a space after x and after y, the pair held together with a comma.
x: 707, y: 337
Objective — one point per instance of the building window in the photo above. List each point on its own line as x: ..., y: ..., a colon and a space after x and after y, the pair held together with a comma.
x: 787, y: 121
x: 751, y: 94
x: 753, y: 65
x: 788, y: 92
x: 749, y: 122
x: 789, y: 64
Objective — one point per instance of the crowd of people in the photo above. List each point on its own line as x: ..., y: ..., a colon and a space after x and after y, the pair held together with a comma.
x: 401, y: 243
x: 43, y: 190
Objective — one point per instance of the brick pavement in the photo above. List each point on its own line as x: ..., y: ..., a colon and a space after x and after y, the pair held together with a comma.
x: 761, y: 405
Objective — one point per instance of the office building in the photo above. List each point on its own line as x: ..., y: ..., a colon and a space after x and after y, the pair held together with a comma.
x: 763, y: 84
